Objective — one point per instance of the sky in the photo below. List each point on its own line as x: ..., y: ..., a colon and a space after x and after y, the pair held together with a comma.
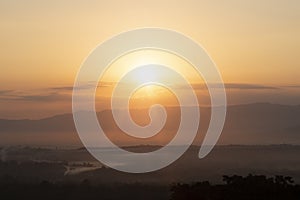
x: 255, y: 45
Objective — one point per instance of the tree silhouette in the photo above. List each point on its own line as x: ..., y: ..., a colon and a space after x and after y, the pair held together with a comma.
x: 238, y: 187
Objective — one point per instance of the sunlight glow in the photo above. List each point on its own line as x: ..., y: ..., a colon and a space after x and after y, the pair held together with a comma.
x: 148, y: 94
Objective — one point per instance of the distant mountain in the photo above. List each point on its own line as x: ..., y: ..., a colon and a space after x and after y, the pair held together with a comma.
x: 260, y: 123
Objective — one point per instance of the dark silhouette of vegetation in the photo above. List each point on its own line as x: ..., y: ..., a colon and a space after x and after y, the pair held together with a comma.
x: 80, y: 191
x: 235, y: 187
x: 240, y: 188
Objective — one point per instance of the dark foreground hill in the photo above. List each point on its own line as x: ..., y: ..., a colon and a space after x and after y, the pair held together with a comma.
x: 252, y: 187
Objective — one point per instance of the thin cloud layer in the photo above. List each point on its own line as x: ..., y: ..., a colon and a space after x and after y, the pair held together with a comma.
x: 33, y: 96
x: 238, y: 86
x: 87, y: 86
x: 64, y: 93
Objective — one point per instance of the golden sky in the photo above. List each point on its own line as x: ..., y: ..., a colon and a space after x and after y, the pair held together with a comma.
x: 43, y: 43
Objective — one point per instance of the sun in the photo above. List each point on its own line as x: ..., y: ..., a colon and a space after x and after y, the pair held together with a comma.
x: 147, y: 74
x: 130, y: 61
x: 149, y: 93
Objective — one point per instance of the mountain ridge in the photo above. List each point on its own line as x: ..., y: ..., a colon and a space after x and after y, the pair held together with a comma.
x: 257, y: 123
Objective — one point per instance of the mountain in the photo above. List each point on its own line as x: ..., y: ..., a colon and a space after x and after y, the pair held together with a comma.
x: 259, y: 123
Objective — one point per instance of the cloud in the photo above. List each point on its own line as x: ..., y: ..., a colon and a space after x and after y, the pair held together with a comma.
x: 51, y: 94
x: 86, y: 86
x: 5, y: 92
x: 238, y: 86
x: 196, y: 86
x: 64, y: 88
x: 242, y: 86
x: 34, y: 97
x: 43, y: 98
x: 292, y: 86
x: 106, y: 84
x: 64, y: 93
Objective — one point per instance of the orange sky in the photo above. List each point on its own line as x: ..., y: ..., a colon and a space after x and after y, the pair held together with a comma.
x: 43, y: 44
